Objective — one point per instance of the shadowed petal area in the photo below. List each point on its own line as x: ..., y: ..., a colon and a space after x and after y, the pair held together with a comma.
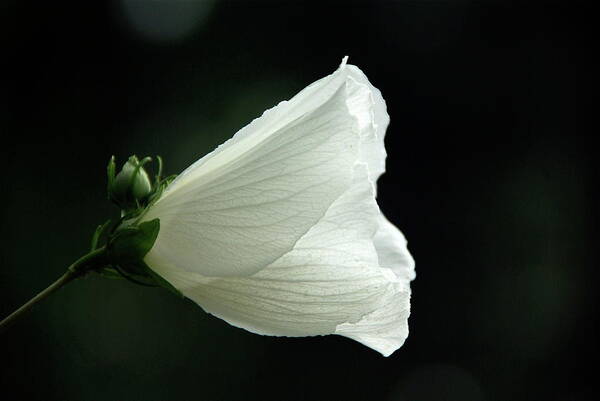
x: 385, y: 329
x: 392, y: 250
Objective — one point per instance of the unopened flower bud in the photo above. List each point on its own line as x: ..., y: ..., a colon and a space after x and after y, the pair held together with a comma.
x: 131, y: 186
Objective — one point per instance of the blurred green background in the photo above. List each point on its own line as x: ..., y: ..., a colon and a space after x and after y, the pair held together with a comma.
x: 490, y: 176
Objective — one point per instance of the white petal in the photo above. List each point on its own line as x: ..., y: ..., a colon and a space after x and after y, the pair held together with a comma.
x: 385, y: 329
x: 278, y: 232
x: 247, y: 203
x: 373, y: 150
x: 392, y: 250
x: 286, y: 112
x: 330, y: 283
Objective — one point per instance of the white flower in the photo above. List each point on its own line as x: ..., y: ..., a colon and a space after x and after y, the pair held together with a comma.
x: 278, y: 232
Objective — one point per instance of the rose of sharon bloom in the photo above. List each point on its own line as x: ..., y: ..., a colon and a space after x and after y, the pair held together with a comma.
x: 277, y: 231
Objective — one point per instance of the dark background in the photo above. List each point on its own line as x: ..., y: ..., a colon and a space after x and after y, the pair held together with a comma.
x: 490, y: 176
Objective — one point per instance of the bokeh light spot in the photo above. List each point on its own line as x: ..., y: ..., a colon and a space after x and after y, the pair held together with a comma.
x: 165, y: 21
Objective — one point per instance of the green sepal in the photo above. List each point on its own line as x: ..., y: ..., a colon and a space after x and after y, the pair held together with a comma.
x: 158, y: 177
x: 136, y: 273
x: 100, y: 231
x: 141, y: 273
x: 130, y: 244
x: 109, y: 272
x: 111, y: 172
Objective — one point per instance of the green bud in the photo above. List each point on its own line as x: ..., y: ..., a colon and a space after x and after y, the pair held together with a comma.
x: 131, y: 186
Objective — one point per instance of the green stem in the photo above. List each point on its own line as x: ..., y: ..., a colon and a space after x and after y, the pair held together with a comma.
x: 78, y: 269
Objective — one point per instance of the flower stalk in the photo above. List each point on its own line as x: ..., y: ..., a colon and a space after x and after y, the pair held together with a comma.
x: 79, y: 268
